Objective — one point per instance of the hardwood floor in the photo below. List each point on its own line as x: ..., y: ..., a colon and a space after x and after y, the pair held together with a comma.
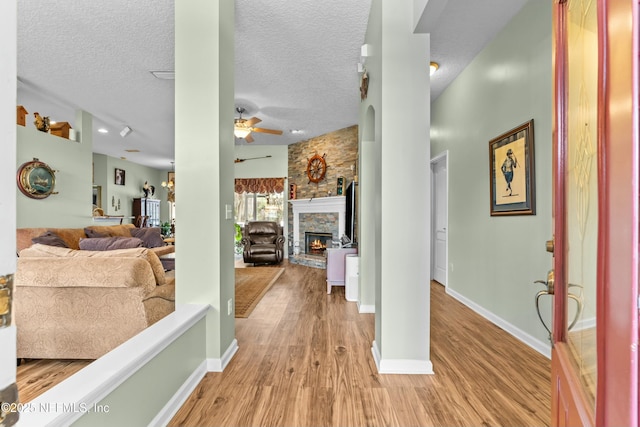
x: 35, y: 376
x: 305, y: 359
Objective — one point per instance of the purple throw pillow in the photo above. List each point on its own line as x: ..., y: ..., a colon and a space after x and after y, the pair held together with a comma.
x: 151, y: 236
x: 110, y: 243
x: 50, y: 238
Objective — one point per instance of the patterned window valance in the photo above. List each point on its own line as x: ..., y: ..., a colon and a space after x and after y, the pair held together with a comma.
x: 259, y: 185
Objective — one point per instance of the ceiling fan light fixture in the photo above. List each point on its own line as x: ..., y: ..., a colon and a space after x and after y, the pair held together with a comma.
x: 241, y: 132
x: 433, y: 67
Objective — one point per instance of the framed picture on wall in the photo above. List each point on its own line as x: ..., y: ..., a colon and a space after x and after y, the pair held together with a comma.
x: 512, y: 173
x: 119, y: 177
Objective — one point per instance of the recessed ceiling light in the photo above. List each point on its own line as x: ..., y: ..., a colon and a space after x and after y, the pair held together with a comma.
x: 164, y: 75
x: 103, y: 130
x: 433, y: 67
x: 132, y: 150
x: 296, y: 131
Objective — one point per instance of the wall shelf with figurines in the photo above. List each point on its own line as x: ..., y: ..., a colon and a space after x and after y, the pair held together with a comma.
x: 44, y: 124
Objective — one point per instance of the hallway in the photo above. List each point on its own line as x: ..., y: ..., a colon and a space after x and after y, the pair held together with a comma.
x: 305, y: 359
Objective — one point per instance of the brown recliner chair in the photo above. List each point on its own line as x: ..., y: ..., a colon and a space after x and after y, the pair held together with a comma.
x: 263, y: 242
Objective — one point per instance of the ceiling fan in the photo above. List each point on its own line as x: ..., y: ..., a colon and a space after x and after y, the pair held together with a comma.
x: 243, y: 127
x: 239, y: 160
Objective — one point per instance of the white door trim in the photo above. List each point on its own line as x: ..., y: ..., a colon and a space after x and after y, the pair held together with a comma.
x: 8, y: 82
x: 444, y: 156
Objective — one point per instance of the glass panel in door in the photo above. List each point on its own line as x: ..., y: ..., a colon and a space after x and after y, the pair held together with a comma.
x: 582, y: 190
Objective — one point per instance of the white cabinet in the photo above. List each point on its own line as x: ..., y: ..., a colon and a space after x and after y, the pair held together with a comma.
x: 336, y: 265
x: 351, y: 291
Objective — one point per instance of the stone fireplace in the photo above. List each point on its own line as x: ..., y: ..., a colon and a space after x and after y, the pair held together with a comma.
x: 325, y: 216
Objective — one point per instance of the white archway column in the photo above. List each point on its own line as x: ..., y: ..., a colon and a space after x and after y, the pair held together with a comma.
x: 400, y: 262
x: 204, y: 99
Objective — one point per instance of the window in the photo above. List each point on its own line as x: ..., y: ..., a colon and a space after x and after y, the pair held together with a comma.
x: 259, y: 207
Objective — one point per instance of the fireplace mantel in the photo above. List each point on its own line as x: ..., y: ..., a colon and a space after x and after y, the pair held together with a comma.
x: 320, y: 205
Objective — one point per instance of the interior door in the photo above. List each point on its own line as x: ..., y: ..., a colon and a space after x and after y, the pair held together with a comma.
x: 594, y: 362
x: 439, y: 218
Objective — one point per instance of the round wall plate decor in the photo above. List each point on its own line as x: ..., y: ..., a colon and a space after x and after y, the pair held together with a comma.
x: 36, y: 179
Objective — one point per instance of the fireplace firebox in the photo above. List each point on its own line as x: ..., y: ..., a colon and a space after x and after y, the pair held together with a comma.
x: 316, y: 243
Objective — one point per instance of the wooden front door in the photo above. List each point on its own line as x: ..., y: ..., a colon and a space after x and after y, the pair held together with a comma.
x: 595, y: 332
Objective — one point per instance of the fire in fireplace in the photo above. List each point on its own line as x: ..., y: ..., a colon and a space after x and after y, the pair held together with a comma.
x: 316, y: 243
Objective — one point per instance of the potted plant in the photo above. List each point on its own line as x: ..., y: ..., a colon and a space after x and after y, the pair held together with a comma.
x: 238, y: 237
x: 165, y: 229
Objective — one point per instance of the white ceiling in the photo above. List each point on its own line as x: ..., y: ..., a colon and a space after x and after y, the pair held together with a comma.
x: 296, y: 64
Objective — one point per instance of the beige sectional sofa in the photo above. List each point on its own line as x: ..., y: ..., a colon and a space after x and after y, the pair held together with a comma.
x: 80, y: 304
x: 72, y: 236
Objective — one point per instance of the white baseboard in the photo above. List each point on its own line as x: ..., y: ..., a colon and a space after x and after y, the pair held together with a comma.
x: 400, y: 366
x: 218, y: 365
x: 583, y: 324
x: 209, y: 365
x: 539, y: 346
x: 182, y: 394
x: 376, y: 354
x: 362, y: 308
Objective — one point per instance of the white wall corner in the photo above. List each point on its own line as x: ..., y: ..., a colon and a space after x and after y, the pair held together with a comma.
x: 426, y: 14
x: 364, y: 308
x: 376, y: 354
x: 218, y: 365
x: 400, y: 366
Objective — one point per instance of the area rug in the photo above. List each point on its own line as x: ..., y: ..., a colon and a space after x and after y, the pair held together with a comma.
x: 251, y: 284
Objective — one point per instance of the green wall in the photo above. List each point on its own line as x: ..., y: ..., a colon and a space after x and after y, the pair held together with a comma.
x: 135, y: 177
x: 141, y: 397
x: 273, y: 167
x: 75, y: 175
x: 71, y: 161
x: 493, y: 261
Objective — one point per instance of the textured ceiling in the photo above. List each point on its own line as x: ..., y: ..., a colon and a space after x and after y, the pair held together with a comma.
x: 461, y: 31
x: 296, y: 64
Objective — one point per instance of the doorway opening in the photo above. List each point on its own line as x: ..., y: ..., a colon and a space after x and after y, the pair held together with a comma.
x: 439, y: 218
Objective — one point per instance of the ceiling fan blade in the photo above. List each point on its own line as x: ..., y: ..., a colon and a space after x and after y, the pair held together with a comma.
x: 239, y: 160
x: 252, y: 121
x: 263, y: 130
x: 248, y: 138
